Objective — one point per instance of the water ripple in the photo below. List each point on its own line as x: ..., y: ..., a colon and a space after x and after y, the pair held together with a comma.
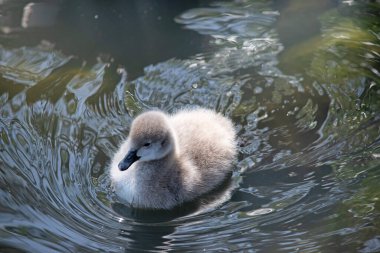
x: 307, y: 142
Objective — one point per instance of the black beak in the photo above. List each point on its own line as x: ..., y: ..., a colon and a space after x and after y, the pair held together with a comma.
x: 130, y: 158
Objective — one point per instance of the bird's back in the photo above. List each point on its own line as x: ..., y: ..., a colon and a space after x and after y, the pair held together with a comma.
x: 207, y: 139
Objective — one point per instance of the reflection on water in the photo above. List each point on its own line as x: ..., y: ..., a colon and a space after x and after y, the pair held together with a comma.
x: 133, y: 33
x: 305, y: 104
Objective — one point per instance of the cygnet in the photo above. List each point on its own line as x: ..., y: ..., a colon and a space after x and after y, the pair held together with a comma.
x: 171, y: 159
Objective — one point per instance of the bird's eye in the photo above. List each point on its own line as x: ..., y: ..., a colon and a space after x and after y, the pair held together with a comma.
x: 147, y: 144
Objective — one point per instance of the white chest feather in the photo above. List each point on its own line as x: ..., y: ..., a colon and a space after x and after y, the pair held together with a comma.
x: 125, y: 184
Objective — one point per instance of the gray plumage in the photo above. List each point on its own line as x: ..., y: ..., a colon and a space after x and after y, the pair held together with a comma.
x: 170, y: 159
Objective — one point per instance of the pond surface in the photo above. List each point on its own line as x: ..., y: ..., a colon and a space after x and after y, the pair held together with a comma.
x: 300, y: 79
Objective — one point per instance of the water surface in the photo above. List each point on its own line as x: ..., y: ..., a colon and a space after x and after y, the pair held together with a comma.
x: 300, y: 80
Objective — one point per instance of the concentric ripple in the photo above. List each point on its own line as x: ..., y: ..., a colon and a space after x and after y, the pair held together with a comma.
x: 306, y: 178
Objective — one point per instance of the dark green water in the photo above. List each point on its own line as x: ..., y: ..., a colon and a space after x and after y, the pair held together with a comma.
x: 300, y: 79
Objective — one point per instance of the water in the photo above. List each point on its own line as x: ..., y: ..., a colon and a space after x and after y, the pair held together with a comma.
x: 300, y: 79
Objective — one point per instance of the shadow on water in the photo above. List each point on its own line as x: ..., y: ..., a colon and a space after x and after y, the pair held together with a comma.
x: 290, y: 30
x: 299, y: 79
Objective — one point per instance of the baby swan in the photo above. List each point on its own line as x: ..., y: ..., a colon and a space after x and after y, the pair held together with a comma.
x: 171, y: 159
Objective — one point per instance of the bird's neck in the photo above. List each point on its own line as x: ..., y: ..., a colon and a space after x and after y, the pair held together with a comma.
x: 163, y: 164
